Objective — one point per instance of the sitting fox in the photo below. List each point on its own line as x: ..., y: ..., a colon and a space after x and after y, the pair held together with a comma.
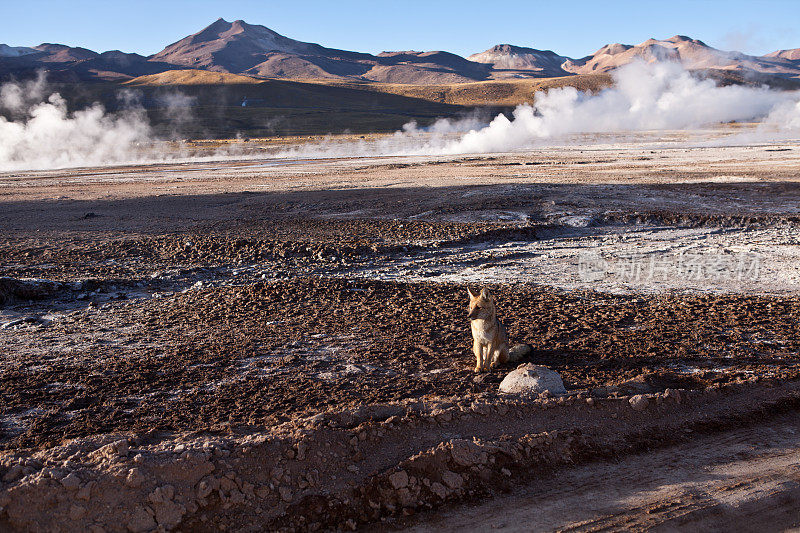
x: 489, y: 337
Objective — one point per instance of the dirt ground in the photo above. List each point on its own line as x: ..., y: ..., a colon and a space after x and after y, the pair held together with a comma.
x: 191, y: 302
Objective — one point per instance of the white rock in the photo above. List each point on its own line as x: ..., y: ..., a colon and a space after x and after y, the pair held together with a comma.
x: 532, y: 379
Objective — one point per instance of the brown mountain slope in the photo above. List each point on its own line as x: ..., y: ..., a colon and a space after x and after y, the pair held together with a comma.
x: 791, y: 55
x: 190, y: 77
x: 241, y: 48
x: 238, y: 46
x: 492, y: 93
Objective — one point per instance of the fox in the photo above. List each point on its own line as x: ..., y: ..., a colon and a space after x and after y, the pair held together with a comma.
x: 489, y: 336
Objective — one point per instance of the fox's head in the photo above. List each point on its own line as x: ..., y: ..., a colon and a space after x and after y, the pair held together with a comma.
x: 481, y: 305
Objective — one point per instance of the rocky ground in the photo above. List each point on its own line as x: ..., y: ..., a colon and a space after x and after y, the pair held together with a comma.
x: 259, y: 346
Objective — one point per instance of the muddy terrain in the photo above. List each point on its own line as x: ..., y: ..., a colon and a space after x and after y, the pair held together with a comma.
x: 283, y: 344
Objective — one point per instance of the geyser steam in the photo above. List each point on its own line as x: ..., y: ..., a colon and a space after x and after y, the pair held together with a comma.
x: 44, y: 134
x: 660, y: 96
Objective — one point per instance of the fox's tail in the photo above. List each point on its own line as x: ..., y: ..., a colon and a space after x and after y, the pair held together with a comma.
x: 518, y: 352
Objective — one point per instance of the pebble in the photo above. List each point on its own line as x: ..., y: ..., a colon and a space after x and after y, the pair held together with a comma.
x: 399, y: 479
x: 71, y: 482
x: 639, y: 402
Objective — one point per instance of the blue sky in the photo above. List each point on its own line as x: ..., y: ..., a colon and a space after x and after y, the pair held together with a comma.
x: 574, y: 28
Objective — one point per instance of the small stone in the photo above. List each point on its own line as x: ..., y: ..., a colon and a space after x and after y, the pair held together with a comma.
x: 141, y: 520
x: 590, y: 402
x: 302, y: 448
x: 399, y: 479
x: 506, y: 472
x: 85, y: 493
x: 452, y: 480
x: 439, y: 489
x: 286, y: 494
x: 203, y: 489
x: 639, y: 402
x: 14, y: 473
x: 71, y: 482
x: 352, y: 468
x: 519, y: 352
x: 135, y: 478
x: 76, y: 512
x: 673, y: 394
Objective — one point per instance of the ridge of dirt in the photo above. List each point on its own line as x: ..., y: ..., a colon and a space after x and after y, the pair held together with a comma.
x: 340, y: 469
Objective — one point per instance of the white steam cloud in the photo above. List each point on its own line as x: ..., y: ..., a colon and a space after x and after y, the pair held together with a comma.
x: 42, y: 133
x: 39, y: 132
x: 661, y: 96
x: 645, y: 96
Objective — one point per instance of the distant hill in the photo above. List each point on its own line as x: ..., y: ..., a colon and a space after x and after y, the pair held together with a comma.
x: 517, y: 61
x: 242, y: 48
x: 233, y: 52
x: 259, y: 52
x: 15, y: 51
x: 190, y: 77
x: 791, y: 55
x: 692, y: 53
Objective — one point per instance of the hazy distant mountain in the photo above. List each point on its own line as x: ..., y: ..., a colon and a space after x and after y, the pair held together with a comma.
x: 791, y: 55
x: 15, y: 51
x: 692, y: 53
x: 252, y: 50
x: 518, y: 61
x: 60, y: 53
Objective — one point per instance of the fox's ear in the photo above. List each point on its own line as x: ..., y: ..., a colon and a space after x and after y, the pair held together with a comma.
x: 472, y: 295
x: 485, y: 294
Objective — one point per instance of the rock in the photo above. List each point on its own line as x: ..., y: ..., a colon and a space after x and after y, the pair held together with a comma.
x: 71, y: 482
x: 519, y: 352
x: 673, y: 394
x: 439, y: 490
x: 135, y: 478
x: 532, y: 379
x: 141, y: 520
x: 85, y: 493
x: 467, y: 453
x: 203, y: 489
x: 452, y: 480
x: 286, y: 494
x: 302, y: 448
x: 639, y: 402
x: 115, y: 449
x: 76, y: 512
x: 14, y: 473
x: 399, y: 479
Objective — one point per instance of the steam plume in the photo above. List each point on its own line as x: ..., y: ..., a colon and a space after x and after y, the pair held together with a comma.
x: 44, y: 134
x: 645, y: 96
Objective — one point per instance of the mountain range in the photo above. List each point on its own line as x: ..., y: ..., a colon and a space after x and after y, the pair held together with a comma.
x: 258, y: 52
